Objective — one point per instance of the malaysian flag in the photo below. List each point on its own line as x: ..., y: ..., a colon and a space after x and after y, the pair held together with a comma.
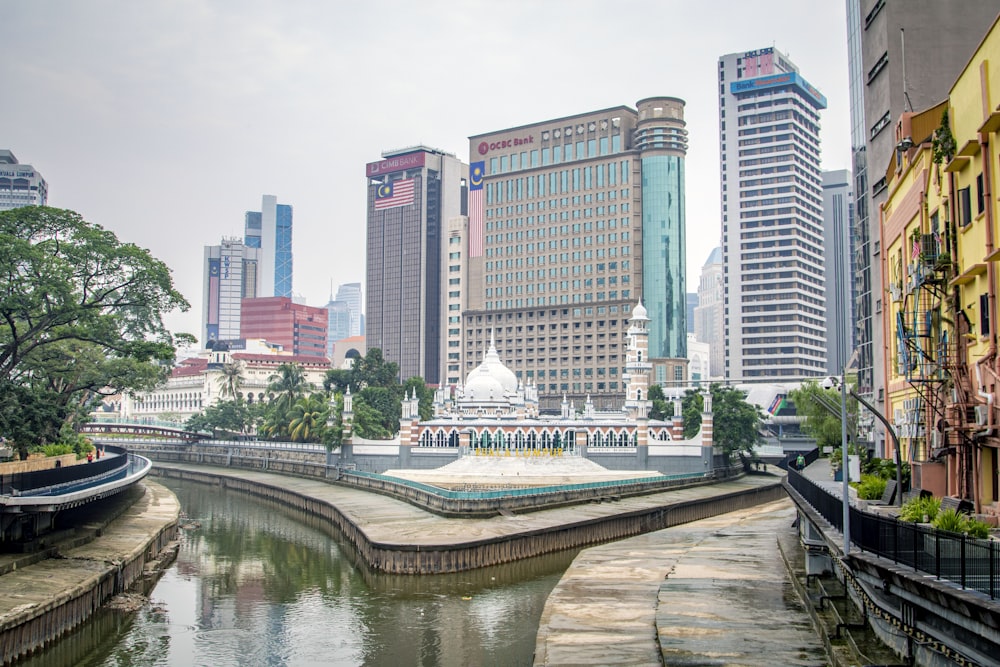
x: 476, y: 173
x: 396, y: 193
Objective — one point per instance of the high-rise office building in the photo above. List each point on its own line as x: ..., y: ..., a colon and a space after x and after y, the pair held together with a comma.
x: 270, y: 229
x: 772, y: 219
x: 570, y: 222
x: 708, y: 319
x: 20, y: 184
x: 903, y: 55
x: 838, y: 244
x: 232, y: 273
x: 298, y: 328
x: 350, y: 293
x: 412, y: 193
x: 338, y: 324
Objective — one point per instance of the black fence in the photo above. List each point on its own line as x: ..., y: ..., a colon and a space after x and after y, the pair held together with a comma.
x: 23, y: 483
x: 969, y: 562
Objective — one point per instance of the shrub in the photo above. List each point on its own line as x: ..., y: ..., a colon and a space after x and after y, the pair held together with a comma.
x: 915, y: 509
x: 978, y: 529
x: 950, y: 520
x: 57, y: 449
x: 871, y: 487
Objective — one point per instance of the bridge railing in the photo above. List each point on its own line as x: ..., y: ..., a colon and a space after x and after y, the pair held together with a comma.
x: 969, y: 562
x: 23, y: 483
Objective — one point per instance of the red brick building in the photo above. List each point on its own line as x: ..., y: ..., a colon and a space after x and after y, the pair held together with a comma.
x: 298, y: 328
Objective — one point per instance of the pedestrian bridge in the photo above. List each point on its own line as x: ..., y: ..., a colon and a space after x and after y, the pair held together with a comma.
x: 154, y: 431
x: 31, y: 501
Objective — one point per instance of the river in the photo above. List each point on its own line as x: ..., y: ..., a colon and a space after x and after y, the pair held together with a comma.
x: 257, y: 584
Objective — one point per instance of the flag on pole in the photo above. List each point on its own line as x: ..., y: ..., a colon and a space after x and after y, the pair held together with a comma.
x: 394, y: 194
x: 476, y: 173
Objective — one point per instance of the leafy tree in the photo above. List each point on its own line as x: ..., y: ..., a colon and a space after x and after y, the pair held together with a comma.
x: 372, y: 370
x: 307, y: 418
x: 692, y: 405
x: 735, y: 422
x: 661, y: 409
x: 338, y: 380
x: 385, y: 401
x: 80, y: 314
x: 288, y: 385
x: 368, y: 423
x: 231, y: 379
x: 817, y: 405
x: 229, y: 416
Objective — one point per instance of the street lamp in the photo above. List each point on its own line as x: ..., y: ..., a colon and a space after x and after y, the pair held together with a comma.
x: 844, y: 470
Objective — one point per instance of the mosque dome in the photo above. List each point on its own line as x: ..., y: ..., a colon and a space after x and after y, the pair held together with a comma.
x: 501, y: 373
x: 639, y: 312
x: 482, y: 385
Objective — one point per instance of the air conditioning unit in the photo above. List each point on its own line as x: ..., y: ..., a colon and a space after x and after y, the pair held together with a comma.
x: 982, y: 415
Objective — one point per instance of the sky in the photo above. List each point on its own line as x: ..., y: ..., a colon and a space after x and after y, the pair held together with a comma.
x: 166, y: 120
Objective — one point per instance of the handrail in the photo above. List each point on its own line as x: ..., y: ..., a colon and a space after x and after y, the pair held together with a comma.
x: 971, y: 563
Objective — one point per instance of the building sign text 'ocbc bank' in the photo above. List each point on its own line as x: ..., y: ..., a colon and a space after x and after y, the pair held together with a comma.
x: 485, y: 147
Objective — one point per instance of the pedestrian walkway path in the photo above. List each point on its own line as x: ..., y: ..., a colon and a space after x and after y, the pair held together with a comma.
x: 714, y: 591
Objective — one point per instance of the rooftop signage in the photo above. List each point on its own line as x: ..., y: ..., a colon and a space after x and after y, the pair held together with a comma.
x: 485, y: 147
x: 778, y: 81
x: 395, y: 163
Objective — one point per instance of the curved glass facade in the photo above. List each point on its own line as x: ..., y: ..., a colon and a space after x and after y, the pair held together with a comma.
x: 663, y: 244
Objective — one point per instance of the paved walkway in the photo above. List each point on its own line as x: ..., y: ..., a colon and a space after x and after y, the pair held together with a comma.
x: 388, y: 521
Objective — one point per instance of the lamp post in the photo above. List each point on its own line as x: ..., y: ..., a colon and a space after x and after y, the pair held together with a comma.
x: 843, y: 463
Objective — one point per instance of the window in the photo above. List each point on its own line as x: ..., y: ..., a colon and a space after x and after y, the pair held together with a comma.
x: 984, y: 314
x: 980, y: 204
x: 964, y: 206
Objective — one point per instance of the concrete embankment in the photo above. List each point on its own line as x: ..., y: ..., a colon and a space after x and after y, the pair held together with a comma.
x: 396, y: 537
x: 42, y: 599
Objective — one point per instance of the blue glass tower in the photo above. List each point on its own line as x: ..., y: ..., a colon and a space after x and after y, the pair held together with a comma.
x: 661, y: 140
x: 270, y: 229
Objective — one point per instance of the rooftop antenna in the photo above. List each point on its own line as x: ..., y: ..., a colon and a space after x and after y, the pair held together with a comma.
x: 902, y: 48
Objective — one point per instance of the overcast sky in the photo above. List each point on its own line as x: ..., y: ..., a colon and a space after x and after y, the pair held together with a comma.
x: 166, y: 120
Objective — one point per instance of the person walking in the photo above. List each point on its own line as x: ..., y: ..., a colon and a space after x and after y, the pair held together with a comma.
x: 800, y: 463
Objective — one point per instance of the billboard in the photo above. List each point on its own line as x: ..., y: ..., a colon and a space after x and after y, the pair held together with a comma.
x: 777, y: 81
x: 395, y: 163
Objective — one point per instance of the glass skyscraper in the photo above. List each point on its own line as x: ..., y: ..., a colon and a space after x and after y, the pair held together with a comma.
x: 270, y: 229
x: 571, y: 222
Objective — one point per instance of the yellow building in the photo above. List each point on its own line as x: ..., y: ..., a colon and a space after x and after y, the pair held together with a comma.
x: 939, y: 239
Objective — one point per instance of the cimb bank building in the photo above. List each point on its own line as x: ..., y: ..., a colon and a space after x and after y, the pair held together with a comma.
x: 570, y: 222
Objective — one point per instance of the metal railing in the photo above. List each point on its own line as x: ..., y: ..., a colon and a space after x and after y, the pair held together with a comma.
x: 971, y: 563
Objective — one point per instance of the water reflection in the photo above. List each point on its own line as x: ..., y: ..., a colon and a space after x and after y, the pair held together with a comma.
x: 257, y: 584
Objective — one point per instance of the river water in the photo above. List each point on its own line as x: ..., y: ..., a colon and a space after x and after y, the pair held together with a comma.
x: 257, y: 584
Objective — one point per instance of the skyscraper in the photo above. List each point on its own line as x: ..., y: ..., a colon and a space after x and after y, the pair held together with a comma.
x: 232, y: 273
x: 20, y: 184
x: 903, y: 55
x: 350, y: 293
x: 772, y: 219
x: 708, y: 318
x: 270, y: 229
x: 338, y: 324
x: 570, y: 222
x: 838, y: 219
x: 411, y: 195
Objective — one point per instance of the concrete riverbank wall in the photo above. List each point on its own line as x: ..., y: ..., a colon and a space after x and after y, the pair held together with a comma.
x: 512, y: 542
x: 43, y: 600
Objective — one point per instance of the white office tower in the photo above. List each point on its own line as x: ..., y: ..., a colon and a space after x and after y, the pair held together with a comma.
x: 232, y: 273
x: 772, y: 219
x: 20, y: 184
x: 350, y: 293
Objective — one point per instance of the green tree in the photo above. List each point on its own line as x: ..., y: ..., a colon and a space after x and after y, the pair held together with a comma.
x: 231, y: 379
x: 307, y: 418
x: 227, y: 416
x: 372, y: 370
x: 735, y: 422
x: 80, y: 313
x: 368, y: 423
x: 817, y: 405
x: 692, y: 405
x: 288, y: 385
x: 661, y: 409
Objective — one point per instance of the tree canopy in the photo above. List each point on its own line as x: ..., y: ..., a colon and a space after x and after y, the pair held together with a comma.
x: 735, y: 422
x: 81, y: 313
x: 821, y: 409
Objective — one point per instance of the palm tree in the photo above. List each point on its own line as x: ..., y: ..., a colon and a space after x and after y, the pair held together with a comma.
x: 288, y: 385
x: 231, y: 379
x: 308, y: 416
